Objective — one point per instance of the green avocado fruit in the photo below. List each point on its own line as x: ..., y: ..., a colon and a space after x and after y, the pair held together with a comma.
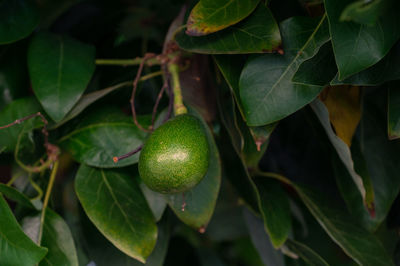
x: 175, y: 157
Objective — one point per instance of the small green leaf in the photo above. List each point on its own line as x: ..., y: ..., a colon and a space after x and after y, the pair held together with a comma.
x: 114, y: 202
x: 58, y: 239
x: 209, y: 16
x: 364, y: 12
x: 258, y: 33
x: 17, y: 110
x: 17, y: 19
x: 274, y: 206
x: 269, y: 98
x: 307, y: 254
x: 15, y: 247
x: 102, y: 135
x: 200, y: 200
x: 358, y: 46
x: 16, y: 196
x: 60, y: 69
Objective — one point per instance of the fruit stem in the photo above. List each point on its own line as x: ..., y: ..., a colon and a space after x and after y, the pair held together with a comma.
x: 128, y: 62
x: 47, y: 197
x: 179, y: 107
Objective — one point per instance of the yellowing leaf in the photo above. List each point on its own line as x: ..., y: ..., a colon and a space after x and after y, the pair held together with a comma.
x: 344, y: 106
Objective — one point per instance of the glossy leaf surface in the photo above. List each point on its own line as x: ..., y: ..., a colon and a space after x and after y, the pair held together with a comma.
x: 60, y: 69
x: 15, y: 247
x: 258, y: 33
x: 263, y: 95
x: 209, y: 16
x: 114, y: 202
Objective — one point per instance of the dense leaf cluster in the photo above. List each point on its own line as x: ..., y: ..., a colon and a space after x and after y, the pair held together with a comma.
x: 298, y: 99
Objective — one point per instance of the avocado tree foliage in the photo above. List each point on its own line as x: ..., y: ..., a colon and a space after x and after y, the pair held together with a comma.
x: 297, y: 107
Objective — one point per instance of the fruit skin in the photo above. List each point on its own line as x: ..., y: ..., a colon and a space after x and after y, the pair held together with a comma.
x: 175, y: 157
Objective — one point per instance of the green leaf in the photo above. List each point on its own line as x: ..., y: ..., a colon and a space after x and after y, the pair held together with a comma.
x: 58, y: 239
x: 17, y: 19
x: 356, y: 242
x: 319, y: 70
x: 258, y: 33
x: 102, y: 135
x: 358, y: 46
x: 385, y: 70
x: 17, y: 110
x: 209, y: 16
x: 115, y: 204
x: 364, y: 12
x: 307, y: 254
x: 394, y: 110
x: 16, y: 196
x: 60, y: 69
x: 381, y: 161
x: 275, y: 210
x: 263, y: 95
x: 155, y: 200
x: 15, y: 247
x: 343, y: 151
x: 200, y: 200
x: 261, y: 241
x: 87, y: 100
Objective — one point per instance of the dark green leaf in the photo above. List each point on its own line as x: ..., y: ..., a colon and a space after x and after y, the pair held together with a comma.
x: 319, y: 70
x: 17, y: 19
x: 357, y: 242
x: 384, y: 70
x: 263, y: 95
x: 275, y: 209
x: 364, y: 12
x: 15, y: 247
x: 394, y: 111
x: 60, y: 69
x: 306, y: 253
x: 256, y: 34
x: 17, y: 110
x: 209, y: 16
x: 87, y: 100
x: 14, y: 195
x: 358, y: 46
x: 102, y: 135
x: 58, y: 239
x: 200, y: 200
x: 155, y: 200
x: 115, y: 204
x: 261, y: 241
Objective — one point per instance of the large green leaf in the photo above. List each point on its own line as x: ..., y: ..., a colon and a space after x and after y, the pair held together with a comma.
x: 256, y: 34
x: 58, y: 239
x: 18, y: 18
x: 200, y: 200
x: 267, y: 98
x: 394, y: 111
x: 17, y: 110
x: 307, y: 254
x: 383, y: 71
x: 14, y: 195
x: 319, y: 70
x: 209, y: 16
x: 275, y: 210
x: 60, y: 69
x: 359, y: 46
x: 102, y: 135
x: 381, y: 163
x: 15, y: 247
x: 115, y: 204
x: 356, y: 242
